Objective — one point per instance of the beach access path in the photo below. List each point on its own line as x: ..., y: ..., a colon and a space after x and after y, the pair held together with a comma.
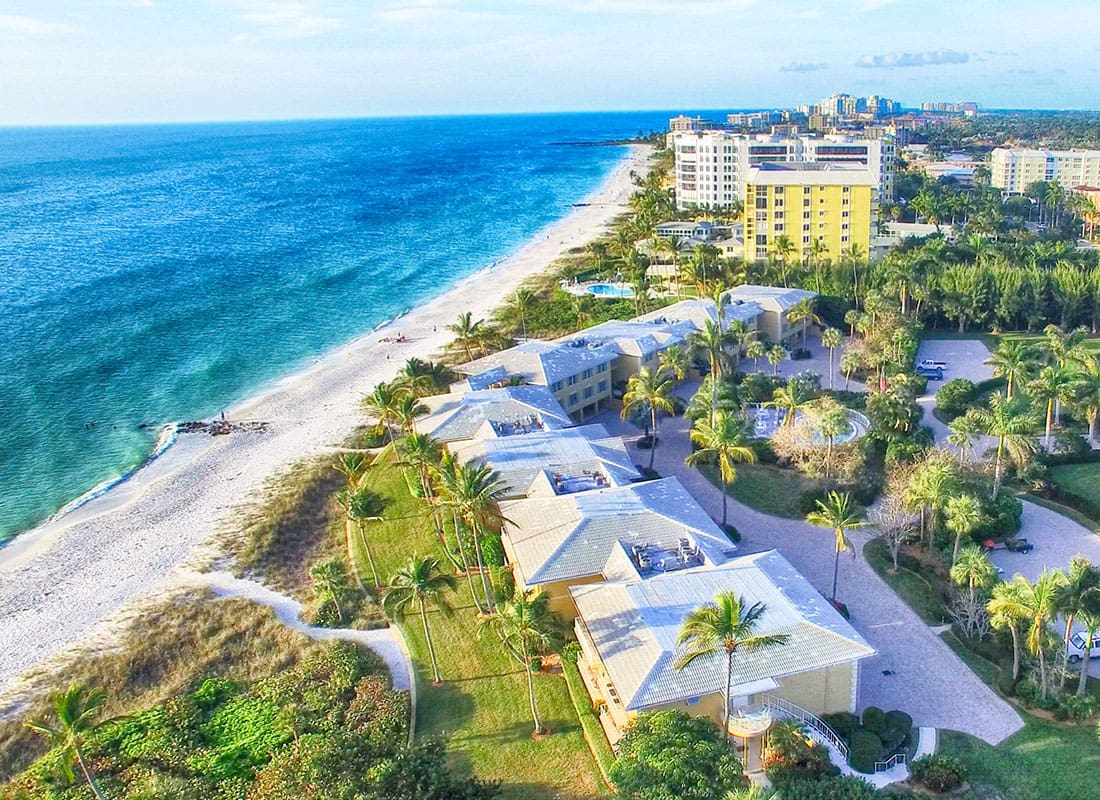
x: 65, y: 583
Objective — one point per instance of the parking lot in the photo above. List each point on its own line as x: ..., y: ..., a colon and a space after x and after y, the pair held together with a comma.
x: 965, y: 358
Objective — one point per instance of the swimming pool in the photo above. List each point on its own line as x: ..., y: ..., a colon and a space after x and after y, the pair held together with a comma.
x: 609, y: 290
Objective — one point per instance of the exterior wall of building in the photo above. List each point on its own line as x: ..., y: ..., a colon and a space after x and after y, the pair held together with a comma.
x: 825, y: 691
x: 561, y: 601
x: 712, y: 166
x: 1013, y: 169
x: 586, y: 392
x: 840, y: 216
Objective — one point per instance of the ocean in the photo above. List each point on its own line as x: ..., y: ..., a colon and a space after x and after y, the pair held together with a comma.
x: 151, y: 274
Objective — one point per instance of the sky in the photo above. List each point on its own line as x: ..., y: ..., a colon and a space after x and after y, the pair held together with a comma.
x: 105, y: 61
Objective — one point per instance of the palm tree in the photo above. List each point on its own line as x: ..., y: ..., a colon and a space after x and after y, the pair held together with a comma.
x: 712, y: 341
x: 351, y: 466
x: 803, y: 311
x: 423, y: 453
x: 755, y: 350
x: 964, y: 435
x: 1089, y: 617
x: 974, y: 570
x: 676, y: 360
x: 729, y: 624
x: 1006, y: 611
x: 407, y: 411
x: 361, y: 506
x: 726, y: 441
x: 330, y: 583
x: 474, y: 494
x: 933, y: 482
x: 419, y: 583
x: 447, y: 475
x: 424, y: 378
x: 1082, y: 579
x: 830, y: 420
x: 839, y: 513
x: 75, y: 711
x: 520, y: 304
x: 651, y: 391
x: 1053, y: 384
x: 381, y: 403
x: 467, y: 333
x: 830, y: 338
x: 783, y: 248
x: 1014, y: 361
x: 1088, y: 396
x: 964, y: 515
x: 527, y: 628
x: 849, y: 363
x: 1009, y: 421
x: 776, y: 354
x: 1041, y: 601
x: 791, y: 398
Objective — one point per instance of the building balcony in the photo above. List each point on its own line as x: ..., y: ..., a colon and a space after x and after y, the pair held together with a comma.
x: 751, y: 720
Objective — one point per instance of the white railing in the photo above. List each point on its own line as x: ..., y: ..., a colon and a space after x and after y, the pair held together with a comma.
x: 890, y: 763
x: 815, y: 724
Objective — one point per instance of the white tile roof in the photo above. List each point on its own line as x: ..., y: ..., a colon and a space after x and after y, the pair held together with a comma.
x: 521, y: 460
x: 772, y: 298
x: 468, y: 415
x: 634, y: 625
x: 697, y: 312
x: 572, y: 536
x: 636, y: 338
x: 540, y: 363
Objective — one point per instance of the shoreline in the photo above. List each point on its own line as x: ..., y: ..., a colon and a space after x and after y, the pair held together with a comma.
x: 75, y: 572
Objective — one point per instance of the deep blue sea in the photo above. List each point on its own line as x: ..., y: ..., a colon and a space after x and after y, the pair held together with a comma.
x: 160, y: 273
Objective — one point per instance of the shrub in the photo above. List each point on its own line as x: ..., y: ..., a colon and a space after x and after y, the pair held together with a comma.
x: 954, y: 397
x: 864, y: 750
x: 1080, y: 708
x: 874, y: 720
x: 898, y: 727
x: 832, y: 788
x: 807, y: 501
x: 792, y: 756
x: 842, y: 723
x: 940, y: 773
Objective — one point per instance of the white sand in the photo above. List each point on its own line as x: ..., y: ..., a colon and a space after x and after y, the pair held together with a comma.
x: 63, y: 583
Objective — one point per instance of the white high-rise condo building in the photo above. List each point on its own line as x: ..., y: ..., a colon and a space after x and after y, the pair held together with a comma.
x: 712, y: 165
x: 1013, y: 169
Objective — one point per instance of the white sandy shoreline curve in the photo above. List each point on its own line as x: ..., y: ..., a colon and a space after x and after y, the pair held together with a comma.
x: 65, y: 581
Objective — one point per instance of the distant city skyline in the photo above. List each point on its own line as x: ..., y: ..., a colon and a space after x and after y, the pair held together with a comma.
x: 104, y: 61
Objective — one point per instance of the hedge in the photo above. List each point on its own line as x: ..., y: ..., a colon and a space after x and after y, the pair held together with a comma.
x: 865, y: 750
x: 590, y: 721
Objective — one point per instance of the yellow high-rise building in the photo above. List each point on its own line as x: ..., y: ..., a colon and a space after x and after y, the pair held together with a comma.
x: 808, y: 201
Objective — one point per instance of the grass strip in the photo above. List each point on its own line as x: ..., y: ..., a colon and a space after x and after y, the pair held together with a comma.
x: 590, y: 721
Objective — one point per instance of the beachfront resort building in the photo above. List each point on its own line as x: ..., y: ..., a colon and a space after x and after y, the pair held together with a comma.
x: 583, y: 369
x: 829, y: 203
x: 640, y: 530
x: 712, y: 166
x: 697, y: 312
x: 627, y: 630
x: 1013, y: 169
x: 553, y: 462
x: 772, y: 323
x: 465, y: 414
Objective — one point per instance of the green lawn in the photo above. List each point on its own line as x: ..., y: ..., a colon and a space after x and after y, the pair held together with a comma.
x: 1079, y: 479
x: 908, y: 583
x: 766, y: 488
x: 481, y: 708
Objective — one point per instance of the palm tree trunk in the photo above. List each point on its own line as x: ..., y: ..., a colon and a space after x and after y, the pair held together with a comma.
x: 1042, y: 672
x: 653, y: 443
x: 1011, y: 384
x: 725, y: 491
x: 1015, y: 652
x: 1065, y: 654
x: 87, y: 772
x: 350, y: 544
x: 836, y: 568
x: 481, y: 566
x: 465, y: 563
x: 1050, y: 421
x: 531, y: 691
x: 729, y: 686
x: 998, y: 466
x: 370, y: 556
x: 428, y: 639
x: 336, y: 603
x: 1083, y: 680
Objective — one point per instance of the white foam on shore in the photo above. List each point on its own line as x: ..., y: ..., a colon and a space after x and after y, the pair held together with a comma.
x: 67, y: 579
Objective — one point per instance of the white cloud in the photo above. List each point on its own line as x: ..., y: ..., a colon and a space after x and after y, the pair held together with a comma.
x: 283, y: 21
x: 17, y: 24
x: 673, y: 8
x: 927, y: 58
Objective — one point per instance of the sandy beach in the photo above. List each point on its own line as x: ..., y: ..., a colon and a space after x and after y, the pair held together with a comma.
x: 67, y: 580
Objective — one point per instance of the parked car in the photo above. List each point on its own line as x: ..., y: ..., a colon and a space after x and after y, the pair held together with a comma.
x: 1077, y: 647
x: 930, y: 373
x: 931, y: 363
x: 1018, y: 545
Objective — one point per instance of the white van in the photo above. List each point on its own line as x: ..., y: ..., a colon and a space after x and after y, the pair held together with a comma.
x: 930, y: 363
x: 1077, y: 642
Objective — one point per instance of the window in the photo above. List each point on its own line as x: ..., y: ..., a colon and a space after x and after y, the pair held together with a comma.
x: 778, y: 190
x: 806, y: 239
x: 555, y: 386
x: 806, y: 203
x: 601, y: 368
x: 761, y: 239
x: 806, y: 190
x: 587, y: 392
x: 587, y: 373
x: 844, y: 213
x: 603, y: 386
x: 806, y: 226
x: 779, y: 227
x: 846, y: 189
x: 806, y: 215
x: 573, y: 399
x: 761, y: 252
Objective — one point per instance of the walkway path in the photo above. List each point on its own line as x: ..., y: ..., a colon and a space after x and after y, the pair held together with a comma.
x: 386, y: 642
x: 914, y: 670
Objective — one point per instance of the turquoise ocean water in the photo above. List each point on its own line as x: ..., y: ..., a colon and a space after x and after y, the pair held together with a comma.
x: 159, y: 273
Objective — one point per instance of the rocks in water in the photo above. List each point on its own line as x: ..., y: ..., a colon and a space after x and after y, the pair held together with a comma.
x: 222, y: 427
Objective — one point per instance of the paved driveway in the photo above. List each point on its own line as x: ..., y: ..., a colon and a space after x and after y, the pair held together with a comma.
x: 914, y: 670
x: 965, y: 358
x: 818, y: 362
